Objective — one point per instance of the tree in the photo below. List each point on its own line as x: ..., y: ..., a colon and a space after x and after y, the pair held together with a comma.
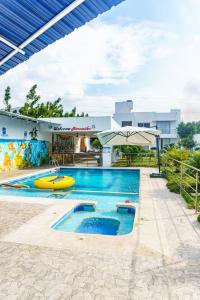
x: 7, y: 97
x: 186, y: 132
x: 188, y: 142
x: 29, y: 109
x: 74, y: 114
x: 186, y: 129
x: 36, y: 109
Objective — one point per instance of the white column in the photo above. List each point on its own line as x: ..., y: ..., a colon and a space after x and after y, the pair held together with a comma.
x: 107, y: 156
x: 77, y: 144
x: 87, y: 143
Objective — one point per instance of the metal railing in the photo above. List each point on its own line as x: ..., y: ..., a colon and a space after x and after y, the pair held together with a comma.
x: 136, y: 160
x: 188, y: 180
x: 72, y: 158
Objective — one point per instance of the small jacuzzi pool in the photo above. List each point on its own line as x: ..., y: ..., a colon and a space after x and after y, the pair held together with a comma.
x: 89, y: 220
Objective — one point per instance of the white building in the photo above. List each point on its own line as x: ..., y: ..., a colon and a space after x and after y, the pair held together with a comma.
x: 71, y: 137
x: 18, y: 127
x: 166, y: 122
x: 65, y: 136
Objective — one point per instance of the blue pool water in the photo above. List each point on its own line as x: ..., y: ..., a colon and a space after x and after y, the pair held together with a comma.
x: 99, y: 185
x: 107, y: 226
x: 96, y: 221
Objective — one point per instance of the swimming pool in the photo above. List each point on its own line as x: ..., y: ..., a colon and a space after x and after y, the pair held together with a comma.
x: 83, y: 219
x: 106, y: 187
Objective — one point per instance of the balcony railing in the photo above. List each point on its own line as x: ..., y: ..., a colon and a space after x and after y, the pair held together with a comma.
x: 168, y: 131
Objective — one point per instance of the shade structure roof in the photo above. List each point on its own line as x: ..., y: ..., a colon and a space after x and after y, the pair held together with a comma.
x: 26, y: 118
x: 128, y: 136
x: 28, y: 26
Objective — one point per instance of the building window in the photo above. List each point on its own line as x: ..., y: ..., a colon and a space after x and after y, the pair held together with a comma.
x: 147, y: 125
x: 163, y: 126
x: 126, y: 123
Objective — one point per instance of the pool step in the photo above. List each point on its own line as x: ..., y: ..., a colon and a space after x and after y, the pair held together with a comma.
x: 59, y: 195
x: 125, y: 208
x: 104, y: 192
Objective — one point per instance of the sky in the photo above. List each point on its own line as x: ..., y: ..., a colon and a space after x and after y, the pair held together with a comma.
x: 144, y: 50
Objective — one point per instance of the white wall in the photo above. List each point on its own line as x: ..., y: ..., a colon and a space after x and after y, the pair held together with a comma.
x: 147, y: 117
x: 124, y: 106
x: 173, y: 116
x: 107, y: 156
x: 81, y: 124
x: 15, y: 129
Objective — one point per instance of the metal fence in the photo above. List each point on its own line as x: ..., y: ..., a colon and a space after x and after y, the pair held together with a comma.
x: 136, y: 160
x: 187, y: 178
x: 85, y: 159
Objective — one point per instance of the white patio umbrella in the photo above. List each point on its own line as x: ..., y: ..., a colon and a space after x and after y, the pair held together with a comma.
x: 128, y: 136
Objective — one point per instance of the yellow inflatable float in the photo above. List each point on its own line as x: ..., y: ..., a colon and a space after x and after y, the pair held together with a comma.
x: 54, y: 182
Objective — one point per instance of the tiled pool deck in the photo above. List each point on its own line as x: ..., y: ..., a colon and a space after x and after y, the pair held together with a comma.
x: 160, y: 260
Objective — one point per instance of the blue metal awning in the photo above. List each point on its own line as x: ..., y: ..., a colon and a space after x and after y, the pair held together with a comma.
x: 28, y: 26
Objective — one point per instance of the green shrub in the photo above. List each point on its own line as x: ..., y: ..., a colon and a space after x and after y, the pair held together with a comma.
x: 173, y: 183
x: 174, y: 153
x: 188, y: 200
x: 96, y: 144
x: 198, y: 218
x: 195, y: 160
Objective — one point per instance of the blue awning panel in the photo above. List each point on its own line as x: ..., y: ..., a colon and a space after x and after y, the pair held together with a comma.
x: 19, y: 19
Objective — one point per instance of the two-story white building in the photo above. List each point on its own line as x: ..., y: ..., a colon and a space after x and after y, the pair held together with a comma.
x: 166, y: 122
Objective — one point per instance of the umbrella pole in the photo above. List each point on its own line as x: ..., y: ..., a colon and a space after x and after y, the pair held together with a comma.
x: 159, y: 175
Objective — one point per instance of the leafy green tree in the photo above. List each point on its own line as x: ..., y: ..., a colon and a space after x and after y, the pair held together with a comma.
x: 50, y: 109
x: 186, y: 132
x: 36, y: 109
x: 7, y: 97
x: 186, y: 129
x: 74, y: 114
x: 29, y: 109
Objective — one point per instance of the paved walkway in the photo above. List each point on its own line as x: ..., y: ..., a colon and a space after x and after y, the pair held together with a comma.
x: 19, y: 172
x: 164, y: 263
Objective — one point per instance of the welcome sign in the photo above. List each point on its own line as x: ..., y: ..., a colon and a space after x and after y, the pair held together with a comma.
x: 87, y: 128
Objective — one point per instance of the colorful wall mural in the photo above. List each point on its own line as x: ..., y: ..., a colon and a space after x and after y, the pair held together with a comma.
x: 20, y: 153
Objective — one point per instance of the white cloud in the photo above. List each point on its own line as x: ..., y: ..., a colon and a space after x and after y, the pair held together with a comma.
x: 96, y: 54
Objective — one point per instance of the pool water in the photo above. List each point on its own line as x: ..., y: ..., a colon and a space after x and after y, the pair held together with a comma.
x: 82, y: 219
x: 107, y: 187
x: 107, y: 226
